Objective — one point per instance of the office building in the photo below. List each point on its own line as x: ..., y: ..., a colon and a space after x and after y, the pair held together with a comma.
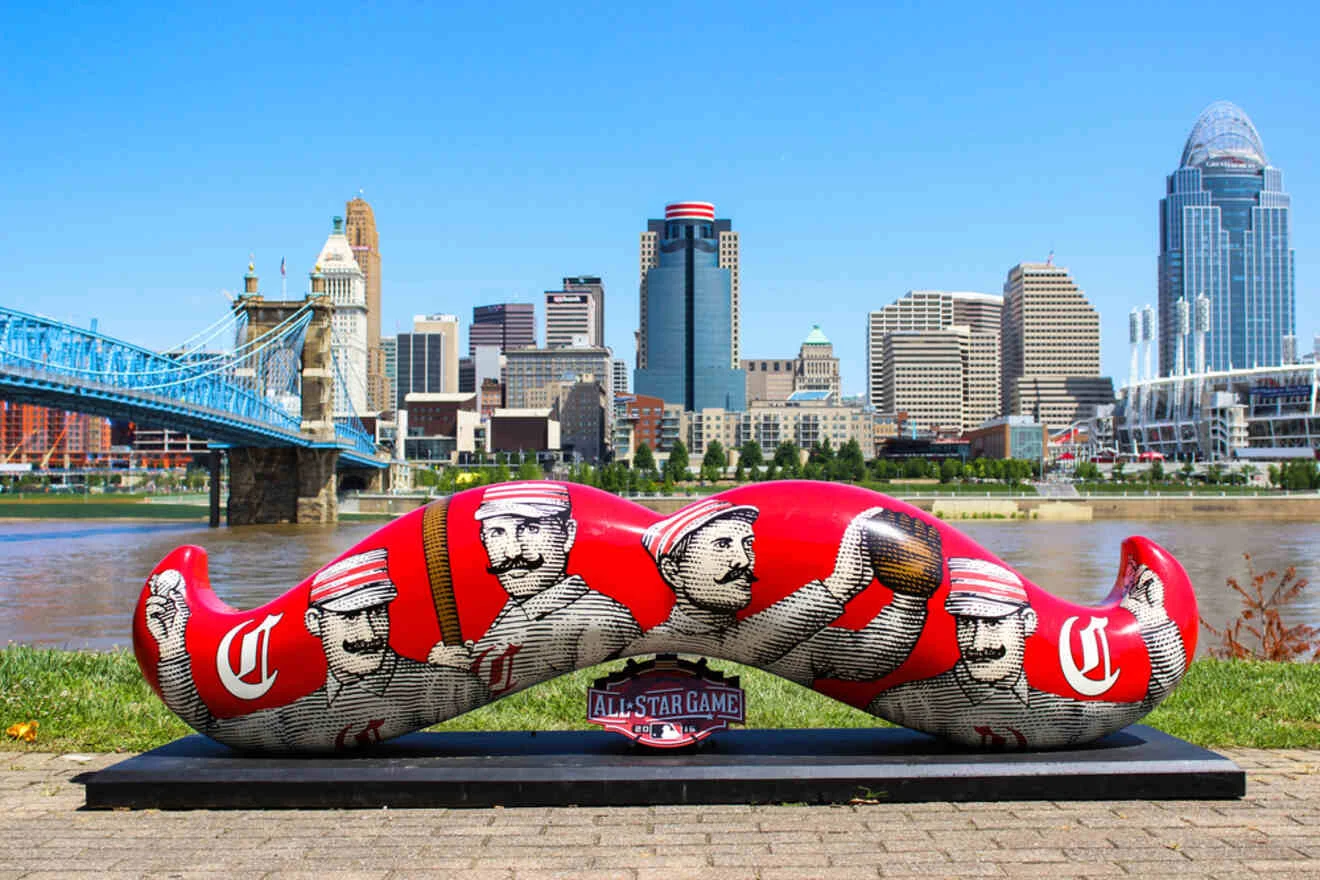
x: 592, y: 286
x: 389, y: 349
x: 346, y: 285
x: 1224, y: 235
x: 621, y: 383
x: 689, y: 313
x: 427, y: 358
x: 817, y: 369
x: 506, y: 325
x: 1051, y: 348
x: 1020, y: 437
x: 933, y: 324
x: 570, y: 319
x: 727, y: 257
x: 529, y: 369
x: 360, y: 228
x: 769, y: 378
x: 921, y: 379
x: 439, y: 426
x: 583, y: 411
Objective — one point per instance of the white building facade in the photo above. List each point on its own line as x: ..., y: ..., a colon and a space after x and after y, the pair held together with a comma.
x: 347, y: 287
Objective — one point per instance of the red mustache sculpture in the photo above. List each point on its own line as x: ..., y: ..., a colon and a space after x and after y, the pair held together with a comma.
x: 852, y: 593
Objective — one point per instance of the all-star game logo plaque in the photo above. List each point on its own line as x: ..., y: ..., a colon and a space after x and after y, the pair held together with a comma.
x: 667, y: 702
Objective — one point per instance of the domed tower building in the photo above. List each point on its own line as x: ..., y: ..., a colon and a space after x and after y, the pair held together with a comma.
x: 346, y: 285
x: 1225, y: 236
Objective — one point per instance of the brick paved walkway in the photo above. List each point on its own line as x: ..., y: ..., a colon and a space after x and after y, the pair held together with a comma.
x: 1274, y: 831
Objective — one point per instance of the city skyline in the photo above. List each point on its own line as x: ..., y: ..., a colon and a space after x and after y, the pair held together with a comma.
x: 177, y: 174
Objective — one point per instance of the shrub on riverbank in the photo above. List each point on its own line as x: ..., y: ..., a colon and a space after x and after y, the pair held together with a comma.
x: 91, y: 701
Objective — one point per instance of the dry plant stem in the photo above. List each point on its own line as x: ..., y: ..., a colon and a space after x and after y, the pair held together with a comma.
x: 1259, y: 632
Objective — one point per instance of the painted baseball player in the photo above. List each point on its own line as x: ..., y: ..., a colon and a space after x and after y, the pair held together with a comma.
x: 370, y: 692
x: 985, y: 698
x: 552, y: 622
x: 706, y: 553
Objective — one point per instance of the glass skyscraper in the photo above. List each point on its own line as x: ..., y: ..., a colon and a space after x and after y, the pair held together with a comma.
x: 689, y: 316
x: 1224, y: 234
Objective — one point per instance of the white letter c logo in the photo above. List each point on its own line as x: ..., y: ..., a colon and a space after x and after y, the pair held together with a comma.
x: 257, y: 640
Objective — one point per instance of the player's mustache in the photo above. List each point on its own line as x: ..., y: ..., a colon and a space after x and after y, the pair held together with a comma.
x: 365, y: 646
x: 982, y: 655
x: 741, y: 573
x: 516, y: 562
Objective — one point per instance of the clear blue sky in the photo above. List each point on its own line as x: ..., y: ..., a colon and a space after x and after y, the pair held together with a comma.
x: 861, y: 152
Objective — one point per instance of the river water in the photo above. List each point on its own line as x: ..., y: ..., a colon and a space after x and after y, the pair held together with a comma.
x: 75, y: 583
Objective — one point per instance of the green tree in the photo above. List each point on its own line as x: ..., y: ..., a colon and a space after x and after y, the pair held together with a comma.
x: 850, y: 464
x: 916, y: 468
x: 822, y: 454
x: 882, y: 470
x: 1187, y: 470
x: 714, y: 461
x: 644, y: 460
x: 788, y: 459
x: 1087, y: 472
x: 750, y: 455
x: 1117, y: 473
x: 676, y: 468
x: 739, y: 472
x: 1156, y: 472
x: 529, y: 469
x: 950, y: 470
x: 1214, y: 475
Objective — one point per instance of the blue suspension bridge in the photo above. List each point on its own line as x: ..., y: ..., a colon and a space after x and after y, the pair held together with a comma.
x: 237, y: 382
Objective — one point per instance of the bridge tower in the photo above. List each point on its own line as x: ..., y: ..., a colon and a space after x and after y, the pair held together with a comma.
x: 285, y: 484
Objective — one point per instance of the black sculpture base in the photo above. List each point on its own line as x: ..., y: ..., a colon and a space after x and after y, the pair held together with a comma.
x: 594, y: 768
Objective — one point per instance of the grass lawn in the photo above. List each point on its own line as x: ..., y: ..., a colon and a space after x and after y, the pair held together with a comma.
x: 67, y: 506
x: 90, y: 701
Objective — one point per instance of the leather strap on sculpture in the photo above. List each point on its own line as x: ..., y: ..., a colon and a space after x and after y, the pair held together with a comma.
x: 854, y: 594
x: 436, y: 544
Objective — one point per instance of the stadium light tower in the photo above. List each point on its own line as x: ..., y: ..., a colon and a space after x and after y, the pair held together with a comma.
x: 1148, y: 338
x: 1134, y: 343
x: 1202, y: 327
x: 1183, y: 315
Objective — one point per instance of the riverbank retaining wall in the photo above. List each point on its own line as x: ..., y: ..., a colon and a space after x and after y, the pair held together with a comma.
x: 1080, y: 509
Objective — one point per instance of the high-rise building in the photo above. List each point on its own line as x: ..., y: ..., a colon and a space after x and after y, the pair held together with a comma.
x: 507, y: 325
x: 590, y: 284
x: 727, y: 257
x: 689, y: 353
x: 390, y: 361
x: 620, y: 376
x: 934, y: 323
x: 427, y: 358
x: 817, y: 369
x: 1051, y: 348
x: 528, y: 369
x: 360, y: 228
x: 346, y: 285
x: 570, y: 318
x: 1224, y: 234
x: 769, y: 378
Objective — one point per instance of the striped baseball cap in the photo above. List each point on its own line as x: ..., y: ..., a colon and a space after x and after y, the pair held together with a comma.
x: 661, y: 537
x: 978, y: 588
x: 358, y: 581
x: 533, y: 499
